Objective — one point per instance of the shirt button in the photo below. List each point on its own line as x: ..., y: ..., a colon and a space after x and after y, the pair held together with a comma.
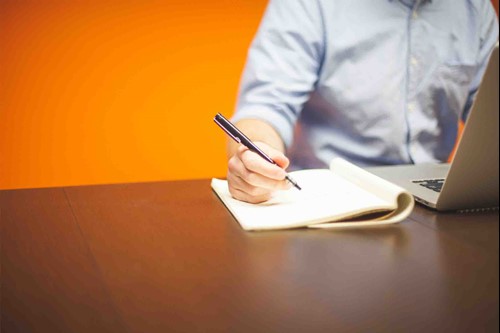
x: 413, y: 151
x: 415, y: 14
x: 411, y: 107
x: 414, y: 61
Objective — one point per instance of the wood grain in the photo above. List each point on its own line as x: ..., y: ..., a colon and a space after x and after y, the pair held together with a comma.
x: 168, y: 257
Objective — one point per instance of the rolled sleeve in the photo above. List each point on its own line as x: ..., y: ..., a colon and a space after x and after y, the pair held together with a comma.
x: 280, y: 121
x: 283, y: 65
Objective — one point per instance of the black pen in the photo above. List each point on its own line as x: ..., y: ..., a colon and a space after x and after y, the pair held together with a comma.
x: 239, y: 137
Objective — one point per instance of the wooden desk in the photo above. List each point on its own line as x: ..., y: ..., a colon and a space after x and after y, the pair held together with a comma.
x: 168, y: 257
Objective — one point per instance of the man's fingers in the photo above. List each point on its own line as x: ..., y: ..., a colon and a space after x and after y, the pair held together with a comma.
x: 243, y: 196
x: 255, y: 163
x: 243, y: 191
x: 277, y: 156
x: 248, y: 180
x: 252, y: 178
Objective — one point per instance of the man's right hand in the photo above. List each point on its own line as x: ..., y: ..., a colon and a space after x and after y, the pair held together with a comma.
x: 253, y: 179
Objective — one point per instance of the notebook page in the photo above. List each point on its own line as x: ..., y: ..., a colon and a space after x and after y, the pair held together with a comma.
x: 324, y: 197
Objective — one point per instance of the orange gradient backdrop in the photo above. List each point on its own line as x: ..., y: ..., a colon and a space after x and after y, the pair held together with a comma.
x: 118, y: 91
x: 108, y: 91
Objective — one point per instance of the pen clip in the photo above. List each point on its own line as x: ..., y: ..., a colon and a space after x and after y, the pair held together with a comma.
x: 235, y: 138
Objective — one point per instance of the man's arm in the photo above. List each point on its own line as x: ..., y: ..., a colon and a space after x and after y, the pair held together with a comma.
x: 283, y: 65
x: 256, y: 130
x: 282, y: 69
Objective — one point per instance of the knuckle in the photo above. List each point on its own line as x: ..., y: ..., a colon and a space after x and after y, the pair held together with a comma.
x: 250, y: 161
x: 252, y: 178
x: 244, y: 175
x: 232, y: 164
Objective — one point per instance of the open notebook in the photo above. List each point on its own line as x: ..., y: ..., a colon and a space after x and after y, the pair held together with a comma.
x: 343, y: 196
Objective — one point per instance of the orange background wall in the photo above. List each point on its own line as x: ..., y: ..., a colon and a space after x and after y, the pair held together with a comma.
x: 105, y: 91
x: 98, y: 91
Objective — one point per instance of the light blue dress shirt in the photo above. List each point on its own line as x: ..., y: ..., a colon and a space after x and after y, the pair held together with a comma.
x: 373, y: 81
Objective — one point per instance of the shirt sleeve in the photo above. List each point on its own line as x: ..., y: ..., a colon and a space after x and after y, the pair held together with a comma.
x: 488, y: 40
x: 283, y: 65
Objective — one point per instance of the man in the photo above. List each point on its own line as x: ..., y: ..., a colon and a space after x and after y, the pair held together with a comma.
x: 373, y: 81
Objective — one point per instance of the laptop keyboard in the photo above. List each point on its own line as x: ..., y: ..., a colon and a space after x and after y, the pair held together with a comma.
x: 433, y: 184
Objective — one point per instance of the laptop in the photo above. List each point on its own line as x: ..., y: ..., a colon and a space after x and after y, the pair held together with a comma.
x: 470, y: 182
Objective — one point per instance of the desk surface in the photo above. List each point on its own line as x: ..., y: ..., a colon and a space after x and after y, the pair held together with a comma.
x: 168, y: 257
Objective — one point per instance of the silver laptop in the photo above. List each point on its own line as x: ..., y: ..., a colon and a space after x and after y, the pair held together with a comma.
x: 471, y: 181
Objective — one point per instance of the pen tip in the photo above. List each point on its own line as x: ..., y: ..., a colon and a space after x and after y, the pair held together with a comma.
x: 294, y: 183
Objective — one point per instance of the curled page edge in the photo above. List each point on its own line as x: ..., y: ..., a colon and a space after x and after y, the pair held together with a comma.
x: 405, y: 204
